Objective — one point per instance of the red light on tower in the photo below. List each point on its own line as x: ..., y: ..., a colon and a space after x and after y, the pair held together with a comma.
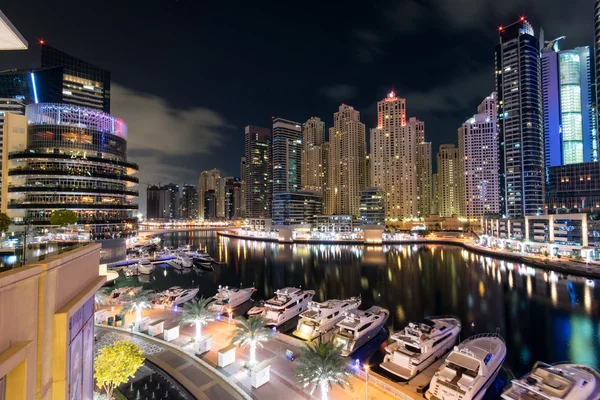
x: 41, y: 41
x: 500, y: 28
x: 522, y: 18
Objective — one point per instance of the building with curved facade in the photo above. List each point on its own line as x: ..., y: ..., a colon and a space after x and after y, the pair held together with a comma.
x: 61, y: 156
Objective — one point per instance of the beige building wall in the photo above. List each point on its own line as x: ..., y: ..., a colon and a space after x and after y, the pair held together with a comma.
x: 424, y: 194
x: 313, y: 135
x: 14, y: 138
x: 37, y: 302
x: 448, y: 180
x: 211, y: 180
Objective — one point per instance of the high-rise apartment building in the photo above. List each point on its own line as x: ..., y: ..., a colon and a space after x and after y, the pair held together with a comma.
x: 299, y: 207
x: 347, y: 168
x: 597, y: 56
x: 448, y: 177
x: 325, y: 173
x: 435, y: 198
x: 286, y: 155
x: 520, y: 123
x: 210, y: 204
x: 372, y: 206
x: 568, y: 106
x: 258, y: 172
x: 424, y: 160
x: 394, y: 157
x: 188, y: 208
x: 242, y: 188
x: 168, y: 202
x: 84, y: 84
x: 209, y: 180
x: 479, y: 183
x: 152, y: 202
x: 313, y: 136
x: 232, y: 189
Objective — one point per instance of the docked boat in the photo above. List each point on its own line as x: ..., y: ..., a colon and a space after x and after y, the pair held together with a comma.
x: 469, y: 369
x: 176, y: 295
x: 417, y: 346
x: 121, y: 295
x: 358, y: 327
x: 228, y: 298
x: 180, y: 262
x: 322, y: 317
x: 560, y: 381
x: 287, y: 303
x: 145, y: 267
x: 257, y: 310
x: 130, y: 270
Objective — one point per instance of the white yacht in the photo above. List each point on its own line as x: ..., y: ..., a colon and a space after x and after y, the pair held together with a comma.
x: 180, y: 262
x: 358, y: 327
x: 322, y: 317
x: 561, y: 381
x: 176, y: 295
x: 469, y: 369
x: 120, y: 295
x: 145, y: 267
x: 287, y: 303
x: 229, y: 298
x: 417, y: 346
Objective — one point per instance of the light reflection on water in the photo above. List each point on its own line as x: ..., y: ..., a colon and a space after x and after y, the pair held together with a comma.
x: 542, y: 316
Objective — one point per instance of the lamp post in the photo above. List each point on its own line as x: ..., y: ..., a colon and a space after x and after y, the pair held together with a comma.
x: 366, y: 367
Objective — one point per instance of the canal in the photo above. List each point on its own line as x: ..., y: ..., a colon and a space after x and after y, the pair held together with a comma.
x: 541, y: 315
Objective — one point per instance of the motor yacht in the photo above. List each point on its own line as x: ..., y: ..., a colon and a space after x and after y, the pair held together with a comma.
x: 322, y: 317
x: 130, y: 270
x: 560, y: 381
x: 121, y: 295
x: 417, y: 346
x: 228, y: 298
x: 287, y: 303
x: 176, y: 295
x: 180, y: 262
x: 469, y: 370
x: 145, y: 267
x: 358, y: 327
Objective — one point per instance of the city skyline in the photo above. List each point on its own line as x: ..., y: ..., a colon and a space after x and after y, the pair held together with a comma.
x: 442, y: 99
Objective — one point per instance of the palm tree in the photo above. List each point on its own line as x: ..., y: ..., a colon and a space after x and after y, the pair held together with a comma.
x: 101, y: 298
x: 322, y: 365
x: 137, y: 302
x: 195, y: 312
x: 252, y: 332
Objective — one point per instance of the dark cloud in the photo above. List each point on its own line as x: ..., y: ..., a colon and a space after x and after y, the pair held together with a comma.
x: 340, y: 92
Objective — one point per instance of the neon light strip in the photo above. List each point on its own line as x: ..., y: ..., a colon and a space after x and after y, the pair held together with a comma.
x: 34, y: 88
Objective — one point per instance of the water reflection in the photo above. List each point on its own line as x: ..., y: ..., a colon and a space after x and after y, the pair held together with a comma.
x: 543, y: 316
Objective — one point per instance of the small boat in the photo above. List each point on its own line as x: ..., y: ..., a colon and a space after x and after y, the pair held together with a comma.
x: 180, y: 262
x: 176, y: 295
x: 120, y: 295
x: 417, y: 346
x: 322, y: 317
x: 145, y: 267
x: 287, y: 303
x: 358, y: 327
x: 258, y: 310
x: 228, y: 298
x: 470, y: 369
x: 562, y: 381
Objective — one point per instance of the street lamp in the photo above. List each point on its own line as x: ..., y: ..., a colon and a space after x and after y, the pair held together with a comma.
x: 366, y: 367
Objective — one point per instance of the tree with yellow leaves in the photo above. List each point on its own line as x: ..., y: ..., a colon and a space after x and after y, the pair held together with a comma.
x: 116, y: 364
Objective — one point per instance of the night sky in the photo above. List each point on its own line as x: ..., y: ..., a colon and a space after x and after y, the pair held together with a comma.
x: 189, y: 75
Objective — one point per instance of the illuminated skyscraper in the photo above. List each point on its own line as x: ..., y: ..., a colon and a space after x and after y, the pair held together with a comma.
x: 258, y: 172
x: 313, y: 136
x: 424, y: 159
x: 286, y: 155
x: 520, y: 124
x: 209, y: 180
x: 188, y: 207
x: 448, y: 177
x: 568, y: 103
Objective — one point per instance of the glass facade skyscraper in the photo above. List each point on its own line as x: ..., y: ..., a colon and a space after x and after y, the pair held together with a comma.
x: 287, y: 156
x: 520, y: 124
x: 259, y: 172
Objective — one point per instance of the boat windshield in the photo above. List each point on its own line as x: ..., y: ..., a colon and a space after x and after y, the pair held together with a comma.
x: 341, y: 341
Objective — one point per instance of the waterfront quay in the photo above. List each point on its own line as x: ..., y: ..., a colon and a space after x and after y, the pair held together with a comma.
x: 178, y: 359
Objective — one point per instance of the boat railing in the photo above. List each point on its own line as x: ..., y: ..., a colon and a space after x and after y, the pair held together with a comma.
x: 484, y: 335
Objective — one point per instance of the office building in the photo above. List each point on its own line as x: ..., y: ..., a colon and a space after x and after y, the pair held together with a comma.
x: 372, y: 206
x: 209, y: 180
x: 59, y: 157
x: 39, y: 85
x: 242, y: 188
x: 286, y: 155
x: 520, y: 123
x: 168, y: 201
x: 313, y: 136
x: 188, y: 207
x: 424, y: 160
x: 258, y: 172
x: 347, y: 170
x: 210, y: 204
x: 232, y: 189
x: 568, y: 105
x: 299, y: 207
x: 574, y: 187
x: 152, y: 202
x: 479, y: 165
x: 448, y: 178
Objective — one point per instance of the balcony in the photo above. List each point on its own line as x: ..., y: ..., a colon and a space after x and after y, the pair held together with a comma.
x: 68, y: 189
x: 71, y: 172
x: 70, y: 206
x: 28, y: 155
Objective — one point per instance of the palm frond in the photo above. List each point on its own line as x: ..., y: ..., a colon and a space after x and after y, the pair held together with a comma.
x: 195, y: 311
x: 250, y: 330
x: 138, y: 301
x: 322, y: 363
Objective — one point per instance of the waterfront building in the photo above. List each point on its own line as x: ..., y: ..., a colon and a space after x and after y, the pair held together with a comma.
x: 61, y: 156
x: 369, y: 171
x: 210, y: 204
x: 8, y: 106
x: 168, y: 201
x: 424, y: 179
x: 188, y: 208
x: 209, y: 180
x: 152, y: 202
x: 313, y: 136
x: 242, y: 213
x: 294, y: 208
x: 286, y: 155
x: 568, y: 105
x: 394, y: 151
x: 520, y: 123
x: 372, y: 206
x: 574, y: 187
x: 333, y: 224
x: 448, y: 178
x: 503, y: 228
x: 435, y: 198
x: 325, y: 174
x: 258, y: 172
x: 232, y: 189
x: 479, y: 179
